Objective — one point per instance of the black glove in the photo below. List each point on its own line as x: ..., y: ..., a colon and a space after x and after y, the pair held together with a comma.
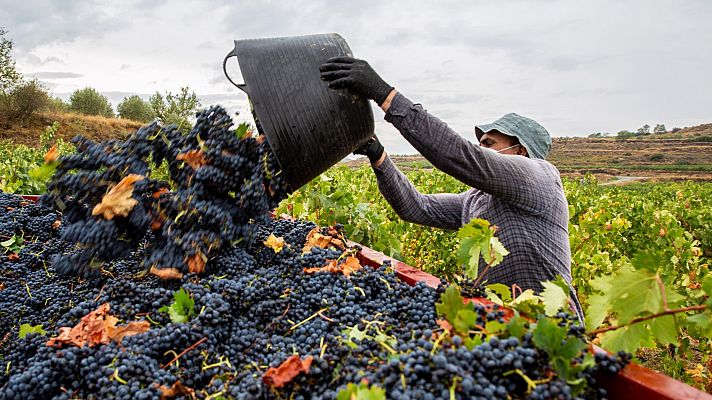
x: 357, y: 76
x: 373, y: 149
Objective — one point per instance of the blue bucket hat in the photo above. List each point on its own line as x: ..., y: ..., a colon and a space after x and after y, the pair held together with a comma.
x: 530, y: 133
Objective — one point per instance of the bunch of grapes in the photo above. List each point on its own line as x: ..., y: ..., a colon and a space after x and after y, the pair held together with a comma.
x: 222, y: 184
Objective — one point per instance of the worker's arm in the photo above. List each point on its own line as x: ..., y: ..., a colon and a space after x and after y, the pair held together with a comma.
x: 436, y: 210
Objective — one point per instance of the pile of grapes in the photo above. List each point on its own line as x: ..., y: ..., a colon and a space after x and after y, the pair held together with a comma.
x: 280, y: 309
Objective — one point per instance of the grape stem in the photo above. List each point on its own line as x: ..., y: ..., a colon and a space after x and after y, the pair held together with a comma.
x: 647, y: 317
x: 194, y: 345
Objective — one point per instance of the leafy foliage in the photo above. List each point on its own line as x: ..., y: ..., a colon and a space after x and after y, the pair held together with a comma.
x: 89, y: 101
x: 9, y: 76
x: 182, y: 309
x: 23, y: 100
x: 26, y: 329
x: 175, y: 108
x: 135, y: 108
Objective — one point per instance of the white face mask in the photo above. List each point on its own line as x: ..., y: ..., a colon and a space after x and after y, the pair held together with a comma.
x: 507, y: 148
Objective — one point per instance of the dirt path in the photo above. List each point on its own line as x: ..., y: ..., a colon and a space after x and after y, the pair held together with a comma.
x: 619, y: 180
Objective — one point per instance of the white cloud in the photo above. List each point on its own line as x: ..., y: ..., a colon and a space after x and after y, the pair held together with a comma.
x: 576, y: 67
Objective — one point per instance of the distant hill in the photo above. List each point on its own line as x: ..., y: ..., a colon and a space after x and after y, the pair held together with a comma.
x: 70, y: 124
x: 683, y: 155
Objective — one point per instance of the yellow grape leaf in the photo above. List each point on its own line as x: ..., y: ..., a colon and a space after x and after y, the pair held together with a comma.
x: 118, y: 202
x: 275, y: 243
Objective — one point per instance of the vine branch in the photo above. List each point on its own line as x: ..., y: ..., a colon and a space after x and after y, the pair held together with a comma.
x: 647, y: 317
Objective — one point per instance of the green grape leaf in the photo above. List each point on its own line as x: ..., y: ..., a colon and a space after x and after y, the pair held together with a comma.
x: 647, y: 259
x: 517, y: 326
x: 468, y: 254
x: 497, y: 251
x: 182, y: 309
x: 503, y: 292
x: 355, y: 333
x: 495, y: 327
x: 472, y: 342
x: 361, y: 392
x: 628, y: 338
x: 553, y: 297
x: 464, y: 321
x: 596, y: 311
x: 26, y: 329
x: 702, y: 322
x: 44, y: 171
x: 571, y: 348
x: 451, y: 302
x: 664, y: 329
x: 707, y: 285
x: 548, y: 335
x: 242, y: 129
x: 560, y: 282
x: 634, y: 292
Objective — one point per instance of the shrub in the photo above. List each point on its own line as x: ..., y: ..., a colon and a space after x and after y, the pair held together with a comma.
x: 89, y: 101
x: 657, y: 157
x: 135, y: 108
x: 57, y: 105
x: 23, y: 100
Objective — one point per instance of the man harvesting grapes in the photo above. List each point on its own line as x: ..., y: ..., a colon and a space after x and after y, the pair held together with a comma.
x: 513, y: 187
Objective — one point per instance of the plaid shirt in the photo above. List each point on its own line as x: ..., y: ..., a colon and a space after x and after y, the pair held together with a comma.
x: 524, y: 197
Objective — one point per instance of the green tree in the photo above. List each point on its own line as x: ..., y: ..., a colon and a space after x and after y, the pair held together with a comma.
x: 643, y: 130
x: 58, y: 105
x: 24, y: 100
x: 624, y: 134
x: 659, y: 128
x: 89, y: 101
x: 9, y: 77
x: 175, y: 109
x: 135, y: 108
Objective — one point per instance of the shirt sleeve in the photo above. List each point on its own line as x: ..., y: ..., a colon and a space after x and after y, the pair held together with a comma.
x: 436, y: 210
x: 515, y: 179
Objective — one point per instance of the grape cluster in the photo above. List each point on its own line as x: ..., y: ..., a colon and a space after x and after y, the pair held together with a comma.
x: 254, y: 307
x: 222, y: 184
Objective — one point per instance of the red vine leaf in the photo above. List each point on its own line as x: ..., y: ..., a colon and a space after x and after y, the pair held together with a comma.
x: 13, y: 257
x: 177, y: 389
x: 2, y: 286
x: 97, y: 327
x: 194, y: 158
x: 52, y: 155
x: 166, y: 273
x: 316, y: 239
x: 119, y: 200
x: 288, y: 370
x: 196, y: 263
x: 349, y: 266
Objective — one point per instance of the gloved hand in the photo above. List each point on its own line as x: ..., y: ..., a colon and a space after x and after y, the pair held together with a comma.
x: 356, y: 75
x: 373, y: 149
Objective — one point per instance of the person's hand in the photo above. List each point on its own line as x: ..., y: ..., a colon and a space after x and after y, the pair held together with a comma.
x: 355, y: 75
x: 373, y: 149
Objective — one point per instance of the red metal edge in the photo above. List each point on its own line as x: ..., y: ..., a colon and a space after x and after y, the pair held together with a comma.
x: 30, y: 197
x: 638, y: 382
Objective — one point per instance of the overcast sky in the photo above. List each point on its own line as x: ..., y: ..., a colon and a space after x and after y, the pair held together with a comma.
x: 577, y: 67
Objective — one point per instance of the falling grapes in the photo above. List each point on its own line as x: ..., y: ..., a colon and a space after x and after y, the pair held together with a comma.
x: 223, y: 185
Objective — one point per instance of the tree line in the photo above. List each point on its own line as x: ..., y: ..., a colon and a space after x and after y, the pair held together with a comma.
x: 21, y: 98
x: 644, y: 130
